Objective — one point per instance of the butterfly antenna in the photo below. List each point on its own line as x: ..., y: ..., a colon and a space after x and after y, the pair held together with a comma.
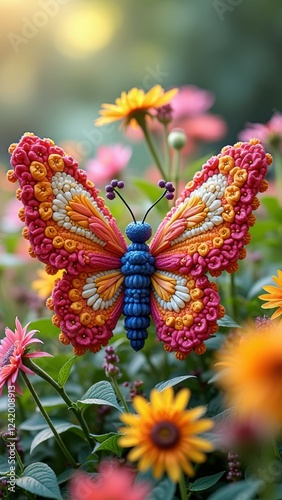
x: 112, y: 191
x: 168, y: 193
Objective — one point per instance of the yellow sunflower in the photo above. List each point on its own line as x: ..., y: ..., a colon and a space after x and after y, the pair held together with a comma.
x: 134, y: 105
x: 163, y: 435
x: 45, y: 284
x: 273, y: 297
x: 250, y: 369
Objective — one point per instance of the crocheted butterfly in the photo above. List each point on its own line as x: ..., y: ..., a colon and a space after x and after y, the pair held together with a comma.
x: 69, y: 227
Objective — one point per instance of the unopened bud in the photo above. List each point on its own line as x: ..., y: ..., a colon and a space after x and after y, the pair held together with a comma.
x: 177, y: 138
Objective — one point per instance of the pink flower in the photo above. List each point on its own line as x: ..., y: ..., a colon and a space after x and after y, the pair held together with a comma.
x: 109, y: 161
x: 13, y: 348
x: 190, y: 108
x: 269, y: 134
x: 10, y: 222
x: 191, y: 101
x: 114, y: 482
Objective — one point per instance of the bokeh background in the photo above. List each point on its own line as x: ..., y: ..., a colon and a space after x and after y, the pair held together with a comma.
x: 60, y: 59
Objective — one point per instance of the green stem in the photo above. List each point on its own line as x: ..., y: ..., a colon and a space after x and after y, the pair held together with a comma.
x: 45, y: 415
x: 39, y: 371
x: 143, y: 125
x: 167, y: 150
x: 19, y: 461
x: 119, y: 393
x: 182, y: 488
x: 276, y: 451
x: 176, y: 167
x: 18, y: 458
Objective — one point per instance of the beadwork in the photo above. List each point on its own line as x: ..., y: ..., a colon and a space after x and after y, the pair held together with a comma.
x: 70, y: 228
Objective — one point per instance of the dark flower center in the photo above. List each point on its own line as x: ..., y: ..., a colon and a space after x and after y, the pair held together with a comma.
x: 275, y: 369
x: 165, y: 435
x: 6, y: 358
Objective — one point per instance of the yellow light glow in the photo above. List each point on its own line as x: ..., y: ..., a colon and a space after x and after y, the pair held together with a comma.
x: 86, y: 28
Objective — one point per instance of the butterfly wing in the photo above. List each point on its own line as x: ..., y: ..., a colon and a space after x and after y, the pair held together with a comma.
x: 69, y: 227
x: 206, y: 231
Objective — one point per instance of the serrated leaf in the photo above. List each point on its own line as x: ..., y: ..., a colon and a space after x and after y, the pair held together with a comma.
x: 173, y: 381
x: 110, y: 444
x: 101, y: 393
x: 227, y: 322
x: 204, y: 483
x: 47, y: 433
x: 40, y: 479
x: 235, y: 490
x: 64, y: 372
x: 165, y: 489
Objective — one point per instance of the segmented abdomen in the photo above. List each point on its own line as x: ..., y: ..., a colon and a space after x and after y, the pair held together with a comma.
x: 137, y: 266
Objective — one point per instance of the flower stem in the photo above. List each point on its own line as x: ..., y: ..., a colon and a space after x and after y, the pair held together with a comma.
x: 175, y: 171
x: 167, y: 150
x: 45, y: 415
x: 276, y: 451
x: 143, y: 125
x: 39, y: 371
x: 182, y: 488
x: 119, y: 393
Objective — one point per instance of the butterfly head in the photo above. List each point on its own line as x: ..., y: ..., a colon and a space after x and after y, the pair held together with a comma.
x: 138, y: 232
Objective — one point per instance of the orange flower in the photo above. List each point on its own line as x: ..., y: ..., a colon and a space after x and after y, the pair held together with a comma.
x: 134, y: 105
x: 273, y: 297
x: 250, y: 372
x: 163, y: 435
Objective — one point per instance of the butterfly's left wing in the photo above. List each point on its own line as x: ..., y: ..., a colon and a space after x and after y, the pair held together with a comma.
x: 206, y: 231
x: 69, y: 227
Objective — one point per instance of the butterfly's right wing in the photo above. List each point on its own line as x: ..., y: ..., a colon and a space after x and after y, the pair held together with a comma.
x: 206, y: 231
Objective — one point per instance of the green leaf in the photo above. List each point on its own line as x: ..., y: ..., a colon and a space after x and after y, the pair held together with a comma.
x: 273, y: 207
x: 204, y: 483
x: 164, y: 489
x: 235, y: 490
x: 40, y: 479
x: 110, y: 444
x: 65, y: 475
x: 37, y: 423
x: 173, y: 381
x: 153, y: 192
x: 101, y: 393
x: 4, y: 466
x: 102, y: 437
x: 64, y: 372
x: 215, y: 342
x: 51, y: 401
x: 45, y: 327
x: 228, y: 322
x: 47, y: 433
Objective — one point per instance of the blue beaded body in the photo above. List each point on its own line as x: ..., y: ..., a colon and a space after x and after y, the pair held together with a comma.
x: 137, y: 267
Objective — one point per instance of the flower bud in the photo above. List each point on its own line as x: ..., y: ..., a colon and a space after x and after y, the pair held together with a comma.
x: 177, y: 138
